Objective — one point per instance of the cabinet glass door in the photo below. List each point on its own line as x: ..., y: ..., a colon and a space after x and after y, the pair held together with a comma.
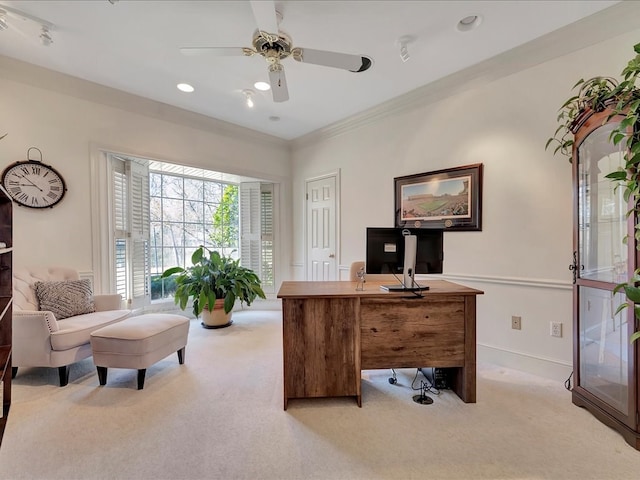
x: 602, y: 222
x: 603, y: 259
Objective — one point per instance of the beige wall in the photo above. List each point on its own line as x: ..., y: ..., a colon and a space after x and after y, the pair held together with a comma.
x: 521, y: 257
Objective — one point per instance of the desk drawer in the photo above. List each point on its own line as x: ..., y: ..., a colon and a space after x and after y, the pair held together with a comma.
x: 405, y: 333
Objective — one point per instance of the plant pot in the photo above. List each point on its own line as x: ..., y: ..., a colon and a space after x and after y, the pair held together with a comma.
x: 216, y: 318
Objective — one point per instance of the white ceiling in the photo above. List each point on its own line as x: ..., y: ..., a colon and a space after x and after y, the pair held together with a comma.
x: 134, y: 46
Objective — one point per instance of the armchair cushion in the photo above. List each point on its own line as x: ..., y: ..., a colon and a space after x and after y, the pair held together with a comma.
x: 74, y: 331
x: 65, y: 298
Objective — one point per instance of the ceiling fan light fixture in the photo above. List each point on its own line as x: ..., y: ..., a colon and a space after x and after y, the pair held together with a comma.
x: 185, y: 87
x: 248, y: 97
x: 262, y: 86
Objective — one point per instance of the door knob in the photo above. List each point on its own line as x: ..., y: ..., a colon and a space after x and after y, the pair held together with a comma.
x: 331, y: 255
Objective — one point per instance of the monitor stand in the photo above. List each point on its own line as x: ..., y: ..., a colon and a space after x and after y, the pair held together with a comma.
x: 398, y: 287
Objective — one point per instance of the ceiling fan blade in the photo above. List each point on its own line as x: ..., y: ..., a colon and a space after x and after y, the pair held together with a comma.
x: 265, y: 14
x: 278, y: 83
x: 345, y: 61
x: 217, y: 51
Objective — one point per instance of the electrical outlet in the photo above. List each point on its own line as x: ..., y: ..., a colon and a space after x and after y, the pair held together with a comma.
x: 556, y: 329
x: 516, y: 323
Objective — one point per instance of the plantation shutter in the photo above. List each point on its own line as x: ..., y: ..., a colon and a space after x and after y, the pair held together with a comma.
x: 250, y: 225
x: 130, y: 213
x: 139, y: 178
x: 266, y: 237
x: 256, y: 231
x: 120, y: 221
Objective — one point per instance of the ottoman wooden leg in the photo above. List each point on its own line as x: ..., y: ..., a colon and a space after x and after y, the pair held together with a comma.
x: 141, y: 373
x: 181, y: 355
x: 102, y: 375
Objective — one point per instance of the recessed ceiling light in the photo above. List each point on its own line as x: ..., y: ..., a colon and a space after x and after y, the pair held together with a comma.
x: 262, y: 86
x: 469, y: 23
x: 185, y: 87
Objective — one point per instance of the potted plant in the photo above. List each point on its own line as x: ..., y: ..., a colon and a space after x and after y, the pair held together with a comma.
x: 622, y: 98
x: 214, y: 282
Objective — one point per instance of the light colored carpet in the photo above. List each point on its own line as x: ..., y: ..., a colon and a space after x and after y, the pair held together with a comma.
x: 220, y: 416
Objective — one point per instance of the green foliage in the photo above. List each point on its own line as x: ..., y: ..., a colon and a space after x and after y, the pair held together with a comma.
x: 162, y: 287
x: 595, y: 94
x: 621, y: 99
x: 225, y: 219
x: 214, y: 276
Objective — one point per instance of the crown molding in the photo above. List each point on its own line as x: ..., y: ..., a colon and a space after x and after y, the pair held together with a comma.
x: 606, y: 24
x: 30, y: 74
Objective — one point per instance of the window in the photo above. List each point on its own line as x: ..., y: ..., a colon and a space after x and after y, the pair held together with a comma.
x: 162, y: 212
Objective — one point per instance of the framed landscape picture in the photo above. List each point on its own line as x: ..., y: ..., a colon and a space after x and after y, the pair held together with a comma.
x: 448, y: 199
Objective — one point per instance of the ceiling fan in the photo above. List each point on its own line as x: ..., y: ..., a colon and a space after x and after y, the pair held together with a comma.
x: 275, y: 47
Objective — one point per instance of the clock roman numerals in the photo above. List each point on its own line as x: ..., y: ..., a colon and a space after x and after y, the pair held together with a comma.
x: 33, y: 184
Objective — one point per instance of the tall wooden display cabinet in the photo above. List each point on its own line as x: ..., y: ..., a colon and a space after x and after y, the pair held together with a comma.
x: 6, y: 295
x: 605, y: 363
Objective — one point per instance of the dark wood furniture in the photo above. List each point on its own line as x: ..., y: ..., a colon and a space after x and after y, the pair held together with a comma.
x: 331, y: 332
x: 605, y: 363
x: 6, y: 295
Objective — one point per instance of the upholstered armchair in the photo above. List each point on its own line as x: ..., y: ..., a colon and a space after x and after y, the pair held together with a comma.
x: 52, y: 322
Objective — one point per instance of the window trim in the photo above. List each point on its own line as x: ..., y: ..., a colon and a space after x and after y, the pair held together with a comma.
x: 103, y: 254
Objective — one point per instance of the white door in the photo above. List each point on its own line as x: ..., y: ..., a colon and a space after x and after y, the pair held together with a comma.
x: 321, y: 229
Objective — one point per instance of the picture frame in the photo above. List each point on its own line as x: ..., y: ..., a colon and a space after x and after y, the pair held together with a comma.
x: 449, y: 199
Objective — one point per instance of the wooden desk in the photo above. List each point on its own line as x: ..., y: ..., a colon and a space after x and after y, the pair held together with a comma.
x: 331, y: 332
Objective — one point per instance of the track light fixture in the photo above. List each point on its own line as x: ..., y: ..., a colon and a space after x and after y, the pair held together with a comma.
x: 404, y: 52
x: 45, y: 33
x: 3, y: 20
x: 403, y: 43
x: 45, y: 37
x: 249, y: 97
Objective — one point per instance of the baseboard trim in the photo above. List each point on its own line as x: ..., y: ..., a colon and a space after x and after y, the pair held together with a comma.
x: 543, y: 367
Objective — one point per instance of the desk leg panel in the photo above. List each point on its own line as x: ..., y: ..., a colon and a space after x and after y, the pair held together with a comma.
x: 464, y: 379
x: 321, y: 347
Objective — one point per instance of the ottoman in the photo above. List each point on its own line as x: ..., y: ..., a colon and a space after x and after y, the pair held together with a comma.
x: 139, y: 342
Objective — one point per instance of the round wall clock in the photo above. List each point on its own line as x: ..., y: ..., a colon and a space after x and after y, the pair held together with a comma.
x: 33, y: 184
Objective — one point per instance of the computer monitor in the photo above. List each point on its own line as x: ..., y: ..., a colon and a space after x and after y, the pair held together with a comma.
x: 404, y: 252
